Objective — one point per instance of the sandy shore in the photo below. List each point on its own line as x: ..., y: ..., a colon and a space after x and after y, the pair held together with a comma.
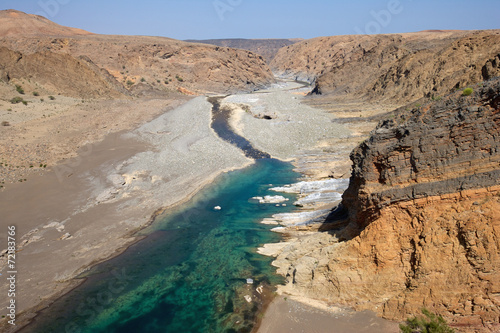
x: 287, y: 314
x: 86, y: 209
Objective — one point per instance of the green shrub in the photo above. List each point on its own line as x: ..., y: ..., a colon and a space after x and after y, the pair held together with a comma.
x: 467, y: 92
x: 16, y: 100
x: 52, y: 98
x: 431, y: 323
x: 25, y: 102
x: 143, y: 79
x: 20, y: 89
x: 35, y: 93
x: 130, y: 83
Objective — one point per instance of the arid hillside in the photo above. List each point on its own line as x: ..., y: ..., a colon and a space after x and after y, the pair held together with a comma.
x: 139, y: 66
x: 15, y: 23
x: 268, y: 48
x: 63, y: 88
x: 56, y: 73
x: 395, y: 69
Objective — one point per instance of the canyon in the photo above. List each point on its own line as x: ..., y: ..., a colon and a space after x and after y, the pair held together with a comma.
x: 418, y: 225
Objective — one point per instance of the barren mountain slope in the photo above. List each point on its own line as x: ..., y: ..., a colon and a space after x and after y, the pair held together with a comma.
x: 16, y: 23
x: 58, y: 73
x: 396, y: 68
x: 142, y: 65
x: 76, y: 89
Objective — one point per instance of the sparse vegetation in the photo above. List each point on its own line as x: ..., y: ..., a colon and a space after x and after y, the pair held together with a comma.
x: 35, y: 93
x: 143, y: 79
x: 25, y: 102
x: 16, y: 100
x: 431, y: 323
x: 130, y: 83
x: 52, y: 98
x: 180, y: 79
x: 467, y: 92
x: 19, y: 89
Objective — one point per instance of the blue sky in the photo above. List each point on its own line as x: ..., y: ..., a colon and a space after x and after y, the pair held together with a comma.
x: 204, y: 19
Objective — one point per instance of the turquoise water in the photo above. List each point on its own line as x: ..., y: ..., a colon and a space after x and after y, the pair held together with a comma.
x: 189, y: 274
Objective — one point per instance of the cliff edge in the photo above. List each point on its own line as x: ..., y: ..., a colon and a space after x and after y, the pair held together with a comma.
x: 423, y: 225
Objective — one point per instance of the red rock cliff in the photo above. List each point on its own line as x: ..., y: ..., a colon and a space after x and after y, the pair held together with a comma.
x: 424, y: 210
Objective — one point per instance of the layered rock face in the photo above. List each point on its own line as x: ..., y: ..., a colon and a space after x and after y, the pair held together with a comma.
x: 425, y: 191
x: 396, y: 68
x: 424, y: 219
x: 445, y: 147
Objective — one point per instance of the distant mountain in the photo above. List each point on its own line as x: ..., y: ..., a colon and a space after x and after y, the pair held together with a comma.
x: 265, y: 47
x: 14, y: 23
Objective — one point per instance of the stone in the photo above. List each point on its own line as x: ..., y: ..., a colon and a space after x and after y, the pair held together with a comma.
x: 271, y: 199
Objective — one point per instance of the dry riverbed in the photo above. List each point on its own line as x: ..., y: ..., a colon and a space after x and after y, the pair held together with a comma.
x: 73, y: 214
x: 86, y: 209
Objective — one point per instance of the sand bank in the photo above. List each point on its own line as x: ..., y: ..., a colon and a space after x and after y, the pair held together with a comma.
x: 86, y: 210
x: 288, y: 314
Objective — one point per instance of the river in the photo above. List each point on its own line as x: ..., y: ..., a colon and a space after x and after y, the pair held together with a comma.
x: 196, y: 269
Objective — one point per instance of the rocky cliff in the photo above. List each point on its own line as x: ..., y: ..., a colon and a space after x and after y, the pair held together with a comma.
x: 423, y: 226
x: 140, y: 66
x: 397, y: 68
x: 440, y: 148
